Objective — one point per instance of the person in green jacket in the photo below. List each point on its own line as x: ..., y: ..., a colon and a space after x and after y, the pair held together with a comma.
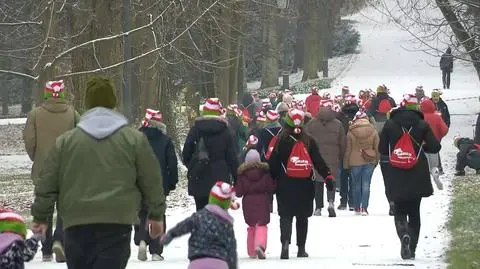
x: 97, y: 173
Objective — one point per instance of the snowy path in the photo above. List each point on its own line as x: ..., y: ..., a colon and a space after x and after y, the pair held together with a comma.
x: 352, y: 241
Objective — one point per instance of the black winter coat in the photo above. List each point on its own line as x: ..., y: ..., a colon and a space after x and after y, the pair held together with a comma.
x: 442, y: 107
x: 413, y: 183
x: 465, y: 156
x: 223, y: 161
x: 373, y: 110
x: 446, y: 62
x: 264, y: 136
x: 347, y: 114
x: 163, y: 147
x: 295, y: 195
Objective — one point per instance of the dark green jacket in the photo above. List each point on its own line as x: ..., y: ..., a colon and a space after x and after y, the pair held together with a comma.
x: 98, y: 172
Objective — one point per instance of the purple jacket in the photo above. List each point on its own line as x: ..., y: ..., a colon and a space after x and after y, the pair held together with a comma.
x: 256, y: 185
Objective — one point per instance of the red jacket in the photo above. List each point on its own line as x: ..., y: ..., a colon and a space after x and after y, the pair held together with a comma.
x: 434, y: 119
x: 313, y: 104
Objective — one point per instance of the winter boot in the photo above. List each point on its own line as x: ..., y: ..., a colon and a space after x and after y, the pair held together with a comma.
x: 405, y: 251
x: 318, y: 212
x: 331, y: 210
x: 391, y: 211
x: 251, y: 242
x: 342, y: 207
x: 142, y: 251
x: 285, y: 249
x: 459, y: 173
x: 261, y: 233
x: 157, y: 258
x: 301, y: 252
x: 59, y: 252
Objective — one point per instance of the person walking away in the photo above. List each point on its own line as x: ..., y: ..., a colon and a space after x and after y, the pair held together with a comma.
x: 468, y: 155
x: 44, y: 124
x: 256, y: 186
x: 249, y: 111
x: 380, y: 106
x: 267, y: 133
x: 361, y: 157
x: 283, y: 107
x: 312, y: 102
x: 408, y: 185
x: 251, y: 145
x: 442, y: 108
x: 273, y: 99
x: 209, y: 153
x: 237, y: 129
x: 330, y: 136
x: 15, y: 249
x: 212, y: 242
x: 440, y: 130
x: 446, y: 65
x: 295, y: 188
x: 420, y: 94
x: 156, y: 132
x: 98, y: 172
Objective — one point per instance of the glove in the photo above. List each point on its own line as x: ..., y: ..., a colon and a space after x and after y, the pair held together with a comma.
x: 330, y: 183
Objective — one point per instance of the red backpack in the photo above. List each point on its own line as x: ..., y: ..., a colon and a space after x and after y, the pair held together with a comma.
x: 299, y: 163
x: 384, y: 106
x: 271, y: 144
x: 403, y: 155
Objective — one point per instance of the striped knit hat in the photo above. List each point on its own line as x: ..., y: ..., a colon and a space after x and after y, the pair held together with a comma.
x: 252, y: 141
x: 266, y: 104
x: 360, y: 115
x: 11, y: 222
x: 345, y: 90
x: 326, y: 96
x: 327, y: 103
x: 54, y: 89
x: 212, y: 107
x: 350, y: 99
x: 410, y: 101
x: 272, y: 115
x: 151, y: 117
x: 295, y: 120
x: 261, y: 118
x: 221, y: 194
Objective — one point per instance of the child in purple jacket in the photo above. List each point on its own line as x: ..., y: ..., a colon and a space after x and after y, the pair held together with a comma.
x: 256, y: 186
x: 212, y: 243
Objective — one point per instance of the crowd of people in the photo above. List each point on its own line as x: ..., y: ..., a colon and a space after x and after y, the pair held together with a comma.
x: 103, y: 176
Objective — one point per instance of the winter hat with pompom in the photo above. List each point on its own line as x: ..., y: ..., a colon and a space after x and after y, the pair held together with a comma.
x: 100, y: 93
x: 294, y: 119
x: 326, y: 96
x: 252, y: 141
x: 252, y: 156
x: 266, y: 104
x: 152, y: 118
x: 410, y: 101
x: 11, y: 222
x: 314, y: 90
x: 350, y: 99
x: 272, y: 115
x: 212, y: 107
x: 360, y: 115
x: 54, y: 89
x: 221, y: 194
x: 436, y: 93
x: 231, y: 109
x: 261, y: 118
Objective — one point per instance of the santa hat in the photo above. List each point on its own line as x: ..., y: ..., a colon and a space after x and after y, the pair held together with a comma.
x: 212, y: 107
x: 360, y: 103
x: 410, y: 101
x: 326, y: 96
x: 11, y: 222
x: 151, y: 117
x: 266, y: 104
x: 300, y: 105
x: 360, y: 115
x: 314, y: 90
x: 272, y: 115
x: 295, y: 119
x: 350, y: 99
x: 261, y: 118
x: 252, y: 141
x: 326, y: 103
x: 231, y: 110
x: 54, y: 89
x: 221, y: 195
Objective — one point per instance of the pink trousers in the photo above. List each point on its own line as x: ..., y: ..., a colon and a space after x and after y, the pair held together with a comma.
x: 256, y: 237
x: 208, y: 263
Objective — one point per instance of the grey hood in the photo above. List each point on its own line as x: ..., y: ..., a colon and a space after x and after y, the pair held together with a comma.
x: 101, y: 122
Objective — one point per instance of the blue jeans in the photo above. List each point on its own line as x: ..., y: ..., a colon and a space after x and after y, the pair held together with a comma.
x: 361, y: 179
x: 345, y: 187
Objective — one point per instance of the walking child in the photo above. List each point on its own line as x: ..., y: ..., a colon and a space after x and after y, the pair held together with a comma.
x: 256, y: 185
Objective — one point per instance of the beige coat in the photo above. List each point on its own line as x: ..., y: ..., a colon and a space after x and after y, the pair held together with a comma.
x: 44, y: 124
x: 361, y: 135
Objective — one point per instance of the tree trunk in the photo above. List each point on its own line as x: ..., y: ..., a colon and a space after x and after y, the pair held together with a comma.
x: 313, y: 50
x: 27, y: 86
x: 270, y: 37
x: 223, y: 48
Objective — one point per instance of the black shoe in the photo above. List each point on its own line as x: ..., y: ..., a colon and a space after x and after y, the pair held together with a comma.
x: 391, y: 212
x: 331, y: 212
x: 412, y: 256
x: 302, y: 253
x: 284, y: 253
x: 342, y: 207
x: 405, y: 249
x: 460, y: 173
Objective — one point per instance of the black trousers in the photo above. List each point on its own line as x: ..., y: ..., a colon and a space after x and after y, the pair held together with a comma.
x: 446, y: 79
x: 98, y: 246
x: 407, y: 220
x: 142, y: 234
x: 200, y: 202
x: 286, y: 229
x: 384, y: 167
x: 319, y: 194
x: 52, y: 236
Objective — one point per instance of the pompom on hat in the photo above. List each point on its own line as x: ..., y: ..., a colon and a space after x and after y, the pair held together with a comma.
x: 272, y: 115
x: 252, y: 141
x: 436, y: 93
x: 100, y: 93
x: 222, y: 194
x: 212, y: 107
x: 326, y: 96
x: 11, y: 222
x: 314, y: 90
x: 231, y: 109
x: 360, y: 115
x: 294, y: 119
x: 410, y: 101
x: 54, y: 89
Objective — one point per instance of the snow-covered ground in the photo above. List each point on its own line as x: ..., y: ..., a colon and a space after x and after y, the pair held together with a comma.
x: 13, y: 121
x: 352, y: 241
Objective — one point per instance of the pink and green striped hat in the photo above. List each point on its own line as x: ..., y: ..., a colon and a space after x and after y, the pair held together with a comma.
x: 11, y: 222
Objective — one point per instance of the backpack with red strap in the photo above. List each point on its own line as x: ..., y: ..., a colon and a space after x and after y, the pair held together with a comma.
x: 384, y: 106
x: 299, y: 164
x: 271, y: 144
x: 403, y: 155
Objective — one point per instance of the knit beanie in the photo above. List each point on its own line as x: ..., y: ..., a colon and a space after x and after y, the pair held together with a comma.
x: 327, y: 103
x: 410, y: 101
x: 212, y: 107
x: 294, y: 119
x: 272, y: 115
x: 350, y: 99
x: 266, y: 104
x: 261, y: 119
x: 221, y: 194
x: 54, y: 89
x: 314, y: 90
x: 345, y: 90
x: 252, y: 141
x: 152, y: 118
x: 100, y: 93
x: 382, y: 89
x: 252, y: 156
x: 326, y: 96
x: 11, y: 222
x: 231, y: 110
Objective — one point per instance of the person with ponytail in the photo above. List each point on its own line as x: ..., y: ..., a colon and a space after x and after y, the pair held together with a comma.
x: 294, y: 194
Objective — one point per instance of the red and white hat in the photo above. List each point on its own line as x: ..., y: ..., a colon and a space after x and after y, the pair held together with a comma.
x: 213, y: 105
x: 336, y: 108
x: 350, y: 99
x: 327, y: 103
x: 232, y: 107
x: 345, y: 89
x: 314, y: 90
x: 300, y: 105
x: 252, y: 141
x: 360, y: 103
x: 409, y: 99
x: 360, y: 115
x: 272, y: 115
x: 238, y: 112
x: 294, y: 119
x: 151, y: 114
x: 326, y: 96
x: 266, y: 103
x: 54, y: 89
x: 261, y: 117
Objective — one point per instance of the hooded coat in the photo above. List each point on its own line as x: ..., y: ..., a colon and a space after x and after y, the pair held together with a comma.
x: 361, y: 135
x: 347, y: 114
x: 446, y: 62
x: 44, y: 124
x: 431, y: 116
x: 256, y: 185
x: 223, y: 162
x: 264, y: 136
x: 239, y: 132
x: 164, y: 150
x: 330, y: 136
x: 404, y: 185
x: 442, y: 107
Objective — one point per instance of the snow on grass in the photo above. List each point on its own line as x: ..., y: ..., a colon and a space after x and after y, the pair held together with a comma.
x: 13, y: 121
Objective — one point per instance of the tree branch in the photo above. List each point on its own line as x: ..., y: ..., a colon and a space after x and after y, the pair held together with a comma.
x: 46, y: 36
x: 20, y: 23
x: 18, y: 74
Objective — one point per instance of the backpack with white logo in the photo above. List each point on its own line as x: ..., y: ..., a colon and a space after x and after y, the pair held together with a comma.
x: 299, y: 164
x: 403, y: 154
